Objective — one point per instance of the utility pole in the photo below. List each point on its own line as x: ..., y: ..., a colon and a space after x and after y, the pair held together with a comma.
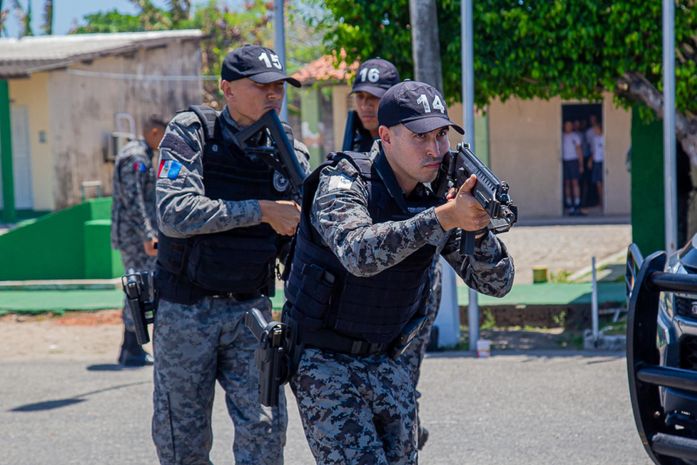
x: 669, y: 162
x: 467, y: 40
x: 424, y: 42
x: 427, y: 68
x: 279, y: 27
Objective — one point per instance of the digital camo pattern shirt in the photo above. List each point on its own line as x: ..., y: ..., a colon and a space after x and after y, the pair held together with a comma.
x: 133, y: 209
x: 183, y: 208
x: 340, y: 215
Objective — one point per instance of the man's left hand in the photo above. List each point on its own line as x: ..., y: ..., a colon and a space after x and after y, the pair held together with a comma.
x: 150, y: 247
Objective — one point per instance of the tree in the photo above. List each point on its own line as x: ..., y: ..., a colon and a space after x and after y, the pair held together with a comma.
x: 528, y: 48
x: 3, y: 18
x: 425, y: 45
x: 47, y: 25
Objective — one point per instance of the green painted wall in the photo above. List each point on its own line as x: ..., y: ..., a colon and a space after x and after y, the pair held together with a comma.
x: 648, y: 209
x: 7, y: 181
x: 100, y: 260
x: 68, y: 244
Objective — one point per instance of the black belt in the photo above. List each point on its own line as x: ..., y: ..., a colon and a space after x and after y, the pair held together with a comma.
x: 334, y: 342
x: 238, y: 296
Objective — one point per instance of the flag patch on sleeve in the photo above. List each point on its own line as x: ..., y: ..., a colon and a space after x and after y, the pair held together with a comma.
x: 139, y: 167
x: 169, y: 169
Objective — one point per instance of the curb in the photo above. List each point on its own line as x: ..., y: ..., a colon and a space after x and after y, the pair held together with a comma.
x: 61, y: 285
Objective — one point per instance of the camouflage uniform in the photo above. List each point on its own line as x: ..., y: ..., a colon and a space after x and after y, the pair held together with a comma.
x: 133, y: 220
x: 363, y: 409
x: 414, y: 354
x: 207, y: 341
x: 196, y: 346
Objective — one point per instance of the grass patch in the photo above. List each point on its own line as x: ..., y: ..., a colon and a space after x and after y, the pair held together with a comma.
x: 561, y: 277
x: 617, y: 328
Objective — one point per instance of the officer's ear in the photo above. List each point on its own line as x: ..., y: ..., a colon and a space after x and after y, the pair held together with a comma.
x: 385, y: 135
x: 226, y: 88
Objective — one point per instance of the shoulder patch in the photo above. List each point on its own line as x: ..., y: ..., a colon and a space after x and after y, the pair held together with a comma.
x: 169, y: 169
x: 177, y: 145
x: 340, y: 182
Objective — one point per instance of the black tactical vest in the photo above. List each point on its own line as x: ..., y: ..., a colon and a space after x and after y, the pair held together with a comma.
x: 239, y: 261
x: 322, y: 294
x: 362, y: 140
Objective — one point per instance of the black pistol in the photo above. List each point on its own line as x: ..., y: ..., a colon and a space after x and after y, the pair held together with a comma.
x: 272, y: 355
x: 141, y: 299
x: 490, y: 192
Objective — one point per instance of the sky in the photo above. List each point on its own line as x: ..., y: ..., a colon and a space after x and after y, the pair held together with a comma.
x: 68, y: 12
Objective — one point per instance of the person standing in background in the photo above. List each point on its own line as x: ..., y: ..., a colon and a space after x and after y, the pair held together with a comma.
x: 133, y: 221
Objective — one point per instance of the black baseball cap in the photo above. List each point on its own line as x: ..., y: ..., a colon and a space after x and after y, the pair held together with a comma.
x: 260, y: 64
x: 416, y: 105
x: 375, y: 76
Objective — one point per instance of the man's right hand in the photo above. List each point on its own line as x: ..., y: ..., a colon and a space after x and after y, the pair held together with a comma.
x: 282, y: 215
x: 463, y: 210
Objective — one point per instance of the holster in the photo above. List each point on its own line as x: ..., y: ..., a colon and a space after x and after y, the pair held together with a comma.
x: 141, y: 300
x: 407, y: 336
x: 273, y: 356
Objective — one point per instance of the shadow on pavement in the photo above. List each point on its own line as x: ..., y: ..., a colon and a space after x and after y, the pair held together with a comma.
x: 609, y: 356
x: 105, y: 367
x: 47, y: 405
x: 59, y: 403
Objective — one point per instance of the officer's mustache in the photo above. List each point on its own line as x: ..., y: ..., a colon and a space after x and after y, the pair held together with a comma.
x: 431, y: 161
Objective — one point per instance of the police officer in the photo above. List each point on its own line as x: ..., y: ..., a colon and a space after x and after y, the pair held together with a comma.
x: 360, y: 275
x: 373, y: 79
x: 133, y: 221
x: 222, y: 214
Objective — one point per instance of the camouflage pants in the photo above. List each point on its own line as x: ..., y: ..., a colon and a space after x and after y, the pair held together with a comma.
x: 195, y: 346
x: 414, y: 354
x: 134, y: 258
x: 356, y: 410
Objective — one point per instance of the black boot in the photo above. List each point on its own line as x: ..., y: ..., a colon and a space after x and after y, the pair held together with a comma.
x: 423, y: 437
x: 132, y: 354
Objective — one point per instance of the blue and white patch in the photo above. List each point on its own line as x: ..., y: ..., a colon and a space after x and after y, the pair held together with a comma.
x: 280, y: 183
x: 169, y: 169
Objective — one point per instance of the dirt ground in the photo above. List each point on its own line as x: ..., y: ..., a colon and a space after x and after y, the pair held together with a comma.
x: 73, y: 336
x: 97, y: 335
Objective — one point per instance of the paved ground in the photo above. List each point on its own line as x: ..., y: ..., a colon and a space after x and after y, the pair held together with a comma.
x: 534, y: 408
x: 563, y: 248
x: 63, y: 402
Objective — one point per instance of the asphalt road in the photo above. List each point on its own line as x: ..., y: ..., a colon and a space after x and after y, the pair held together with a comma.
x: 525, y: 408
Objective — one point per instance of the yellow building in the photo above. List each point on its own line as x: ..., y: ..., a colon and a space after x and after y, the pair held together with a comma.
x: 65, y: 96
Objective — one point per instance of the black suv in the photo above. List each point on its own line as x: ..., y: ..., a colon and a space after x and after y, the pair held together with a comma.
x: 662, y: 352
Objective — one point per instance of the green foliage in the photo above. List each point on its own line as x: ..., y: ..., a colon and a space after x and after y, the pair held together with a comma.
x: 27, y: 21
x: 109, y: 21
x: 527, y: 49
x: 562, y: 277
x: 488, y: 321
x: 615, y: 328
x: 47, y: 26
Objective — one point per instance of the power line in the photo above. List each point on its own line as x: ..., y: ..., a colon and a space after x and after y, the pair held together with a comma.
x: 140, y: 77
